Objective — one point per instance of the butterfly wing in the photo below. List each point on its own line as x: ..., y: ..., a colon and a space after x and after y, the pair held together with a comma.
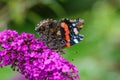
x: 49, y: 31
x: 74, y: 26
x: 58, y: 35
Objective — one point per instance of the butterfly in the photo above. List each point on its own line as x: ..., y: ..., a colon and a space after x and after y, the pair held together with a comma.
x: 58, y: 35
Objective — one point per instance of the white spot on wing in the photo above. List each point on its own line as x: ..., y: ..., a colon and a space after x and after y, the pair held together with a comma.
x: 75, y: 30
x: 71, y: 20
x: 75, y: 40
x: 73, y: 24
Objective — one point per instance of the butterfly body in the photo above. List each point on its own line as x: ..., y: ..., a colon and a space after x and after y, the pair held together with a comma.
x: 58, y: 35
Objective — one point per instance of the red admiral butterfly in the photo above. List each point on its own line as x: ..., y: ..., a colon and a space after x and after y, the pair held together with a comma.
x: 58, y: 35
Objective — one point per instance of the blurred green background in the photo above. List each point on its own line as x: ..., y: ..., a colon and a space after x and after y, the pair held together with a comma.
x: 97, y: 57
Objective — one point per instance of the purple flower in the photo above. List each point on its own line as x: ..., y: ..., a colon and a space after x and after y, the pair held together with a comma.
x: 33, y: 59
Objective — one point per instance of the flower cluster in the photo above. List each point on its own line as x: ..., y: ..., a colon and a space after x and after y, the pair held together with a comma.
x: 33, y: 59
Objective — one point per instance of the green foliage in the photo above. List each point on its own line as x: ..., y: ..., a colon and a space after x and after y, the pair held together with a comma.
x: 98, y: 55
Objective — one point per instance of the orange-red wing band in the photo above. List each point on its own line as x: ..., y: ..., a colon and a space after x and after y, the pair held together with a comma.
x: 67, y: 32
